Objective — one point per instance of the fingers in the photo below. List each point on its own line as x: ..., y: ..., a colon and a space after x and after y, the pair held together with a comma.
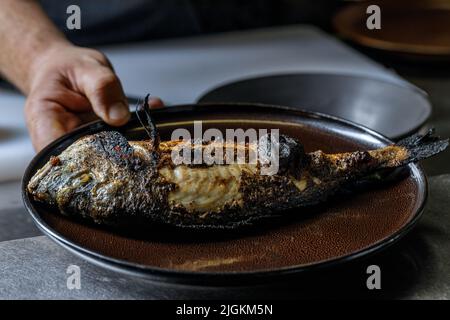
x: 47, y: 121
x: 68, y: 89
x: 105, y: 94
x: 53, y: 90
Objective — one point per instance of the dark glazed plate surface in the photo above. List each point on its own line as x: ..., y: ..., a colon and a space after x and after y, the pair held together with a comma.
x: 345, y: 229
x: 391, y: 109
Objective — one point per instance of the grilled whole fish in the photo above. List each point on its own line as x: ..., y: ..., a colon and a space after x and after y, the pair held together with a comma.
x: 109, y: 180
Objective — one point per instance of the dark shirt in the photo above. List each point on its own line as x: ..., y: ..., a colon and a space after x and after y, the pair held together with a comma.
x: 112, y: 21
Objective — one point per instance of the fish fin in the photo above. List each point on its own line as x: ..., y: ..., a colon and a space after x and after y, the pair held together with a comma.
x: 147, y: 123
x: 423, y: 146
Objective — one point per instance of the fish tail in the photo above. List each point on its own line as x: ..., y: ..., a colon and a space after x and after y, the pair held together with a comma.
x: 420, y: 147
x: 411, y: 149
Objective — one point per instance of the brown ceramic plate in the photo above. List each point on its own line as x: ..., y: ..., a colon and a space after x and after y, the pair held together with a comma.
x: 415, y: 29
x: 344, y: 229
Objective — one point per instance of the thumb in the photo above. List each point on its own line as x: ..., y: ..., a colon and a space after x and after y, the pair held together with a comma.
x: 104, y: 91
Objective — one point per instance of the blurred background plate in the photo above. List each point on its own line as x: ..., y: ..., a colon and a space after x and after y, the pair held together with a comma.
x: 412, y: 29
x: 391, y: 109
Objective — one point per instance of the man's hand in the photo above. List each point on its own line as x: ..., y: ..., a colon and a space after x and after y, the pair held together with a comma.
x: 71, y: 85
x: 65, y: 85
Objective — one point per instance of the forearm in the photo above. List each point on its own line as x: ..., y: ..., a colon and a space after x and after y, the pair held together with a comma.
x: 25, y: 35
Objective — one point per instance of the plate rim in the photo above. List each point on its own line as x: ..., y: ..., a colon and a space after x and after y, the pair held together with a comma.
x: 204, y: 277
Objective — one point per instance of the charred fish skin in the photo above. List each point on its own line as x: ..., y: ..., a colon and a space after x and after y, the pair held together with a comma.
x: 107, y: 179
x: 103, y: 178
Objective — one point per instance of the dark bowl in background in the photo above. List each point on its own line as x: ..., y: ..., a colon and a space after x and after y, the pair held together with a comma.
x: 394, y: 110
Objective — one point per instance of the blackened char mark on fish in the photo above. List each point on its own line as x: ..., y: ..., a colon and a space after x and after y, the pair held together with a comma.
x: 327, y: 167
x: 292, y: 157
x: 116, y: 147
x: 291, y: 154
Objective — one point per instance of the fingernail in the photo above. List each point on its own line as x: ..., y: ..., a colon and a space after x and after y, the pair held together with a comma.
x: 118, y: 111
